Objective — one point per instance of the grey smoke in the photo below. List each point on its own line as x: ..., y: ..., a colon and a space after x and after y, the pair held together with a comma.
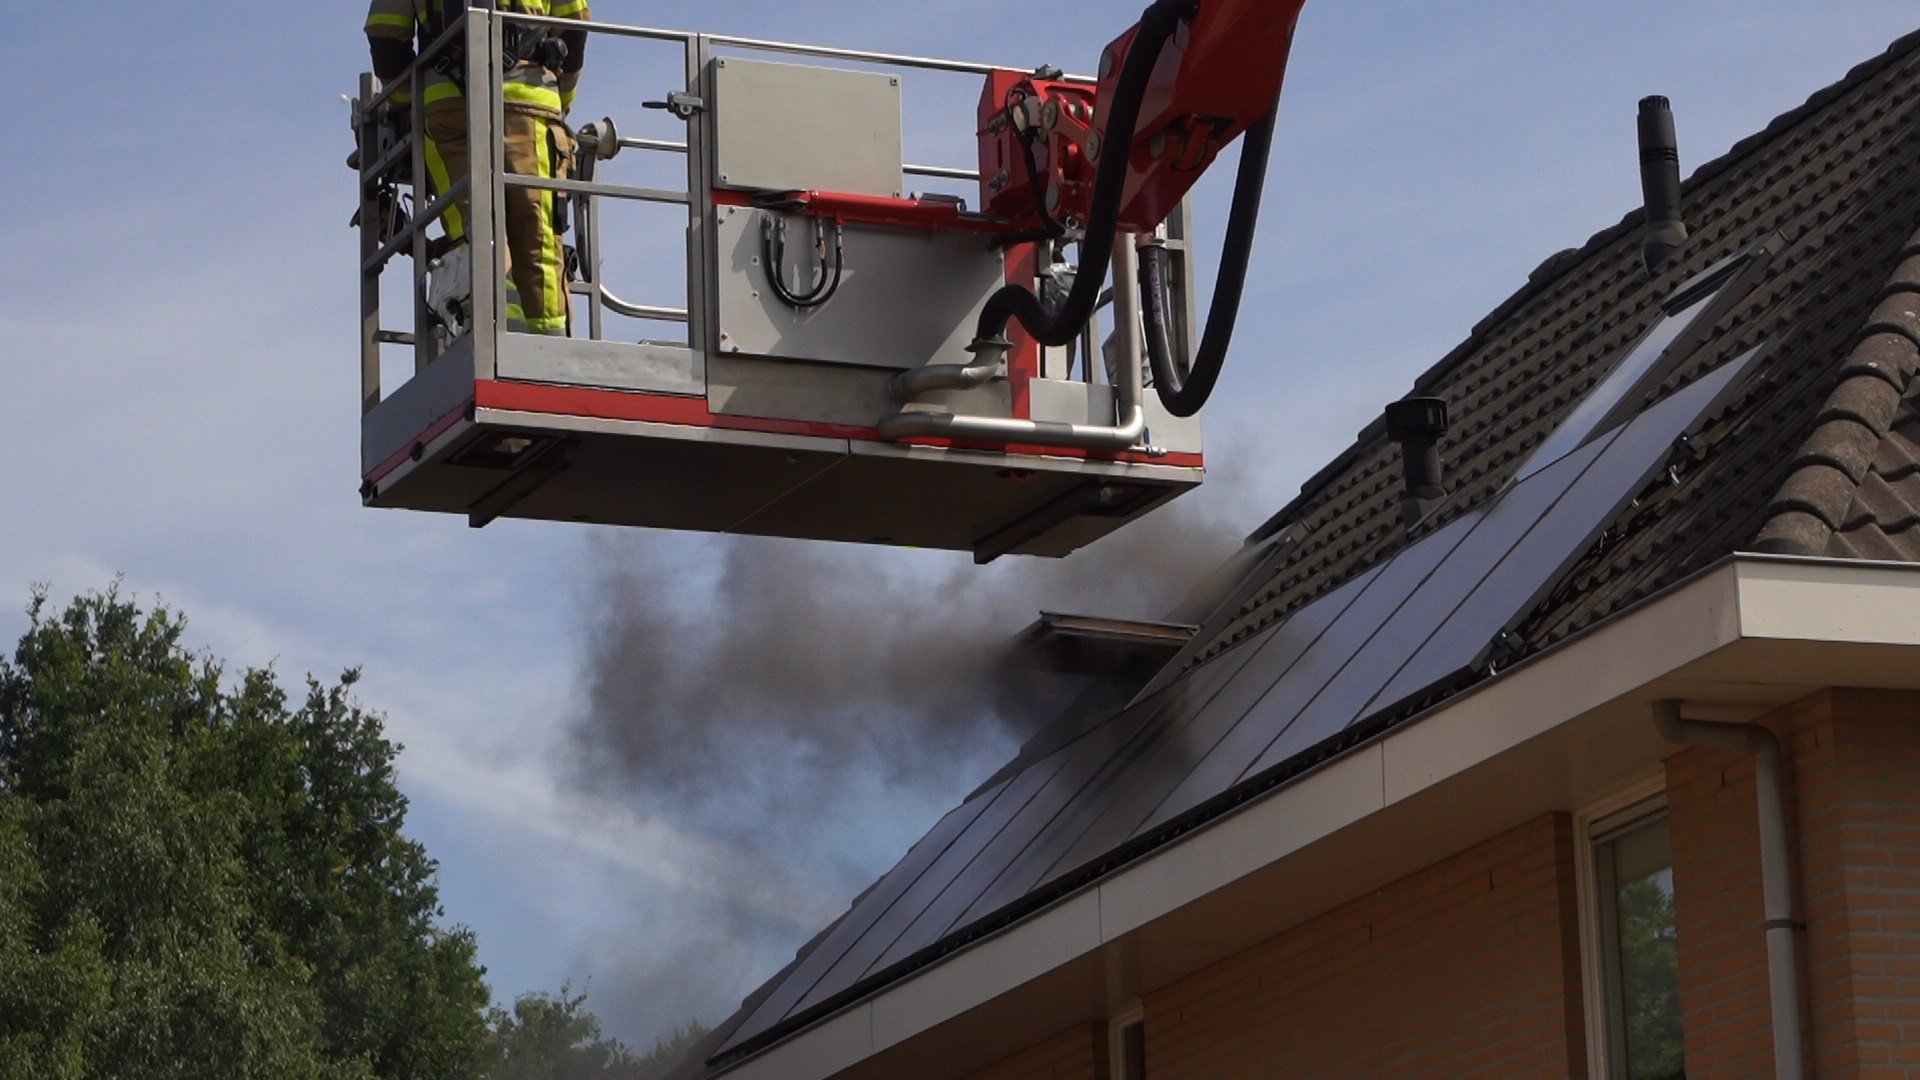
x: 814, y: 707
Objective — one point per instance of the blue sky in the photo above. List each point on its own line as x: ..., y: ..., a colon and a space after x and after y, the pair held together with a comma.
x: 177, y: 313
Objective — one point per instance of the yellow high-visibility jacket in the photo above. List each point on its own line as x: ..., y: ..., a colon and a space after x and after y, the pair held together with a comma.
x: 394, y: 27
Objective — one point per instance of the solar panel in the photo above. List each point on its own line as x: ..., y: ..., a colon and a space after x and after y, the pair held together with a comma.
x: 1578, y: 426
x: 1035, y: 861
x: 1273, y: 690
x: 1492, y: 533
x: 865, y: 912
x: 1425, y: 616
x: 1549, y: 547
x: 859, y: 956
x: 1195, y: 734
x: 1080, y: 764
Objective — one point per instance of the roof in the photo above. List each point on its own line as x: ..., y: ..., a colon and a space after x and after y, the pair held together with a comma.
x: 1808, y: 446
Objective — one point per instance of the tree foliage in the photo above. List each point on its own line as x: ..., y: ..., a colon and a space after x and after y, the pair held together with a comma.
x: 1650, y: 979
x: 555, y: 1037
x: 203, y: 876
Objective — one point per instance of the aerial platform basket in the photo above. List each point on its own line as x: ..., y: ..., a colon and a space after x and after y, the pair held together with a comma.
x: 747, y: 406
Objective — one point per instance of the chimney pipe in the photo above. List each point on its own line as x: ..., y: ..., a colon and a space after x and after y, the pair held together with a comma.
x: 1416, y: 424
x: 1660, y: 180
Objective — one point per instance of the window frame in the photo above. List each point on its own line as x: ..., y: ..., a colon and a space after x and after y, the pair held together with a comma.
x: 1132, y: 1017
x: 1640, y: 803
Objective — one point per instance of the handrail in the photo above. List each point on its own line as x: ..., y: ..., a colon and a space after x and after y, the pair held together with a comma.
x: 642, y: 311
x: 582, y: 187
x: 790, y: 48
x: 418, y: 222
x: 479, y: 28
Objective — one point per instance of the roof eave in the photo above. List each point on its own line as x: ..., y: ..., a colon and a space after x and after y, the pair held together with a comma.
x: 1751, y: 634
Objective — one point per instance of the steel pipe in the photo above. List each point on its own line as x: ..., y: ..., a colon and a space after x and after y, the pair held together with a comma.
x: 988, y: 365
x: 933, y: 425
x: 641, y: 311
x: 1129, y: 390
x: 942, y: 172
x: 666, y: 145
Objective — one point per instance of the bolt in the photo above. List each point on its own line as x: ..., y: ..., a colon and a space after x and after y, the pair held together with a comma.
x: 1094, y: 144
x: 1107, y: 63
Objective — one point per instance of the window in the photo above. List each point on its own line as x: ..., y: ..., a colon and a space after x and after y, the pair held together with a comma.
x: 1686, y: 316
x: 1127, y: 1046
x: 1630, y: 942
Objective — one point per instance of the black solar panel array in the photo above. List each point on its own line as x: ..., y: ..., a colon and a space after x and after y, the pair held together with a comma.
x: 1426, y: 617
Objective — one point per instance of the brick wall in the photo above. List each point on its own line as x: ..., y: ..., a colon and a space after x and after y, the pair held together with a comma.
x: 1860, y: 822
x: 1471, y: 966
x: 1467, y: 968
x: 1854, y: 795
x: 1077, y: 1054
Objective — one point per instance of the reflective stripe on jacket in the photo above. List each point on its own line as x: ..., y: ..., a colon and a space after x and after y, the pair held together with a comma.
x: 420, y: 22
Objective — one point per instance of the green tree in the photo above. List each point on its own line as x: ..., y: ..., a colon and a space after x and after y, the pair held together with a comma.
x: 201, y: 877
x: 1650, y: 979
x: 555, y: 1037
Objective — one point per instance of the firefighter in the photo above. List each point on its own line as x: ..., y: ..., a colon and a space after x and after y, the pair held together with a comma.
x: 542, y: 73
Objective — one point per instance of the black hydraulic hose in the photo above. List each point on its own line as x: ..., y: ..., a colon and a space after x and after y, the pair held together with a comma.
x: 1058, y: 326
x: 1184, y: 395
x: 773, y: 253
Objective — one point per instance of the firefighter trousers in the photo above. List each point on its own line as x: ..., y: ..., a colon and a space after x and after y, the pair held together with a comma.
x: 535, y: 144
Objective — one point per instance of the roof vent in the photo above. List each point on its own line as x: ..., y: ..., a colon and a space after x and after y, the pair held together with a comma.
x: 1660, y: 180
x: 1417, y: 423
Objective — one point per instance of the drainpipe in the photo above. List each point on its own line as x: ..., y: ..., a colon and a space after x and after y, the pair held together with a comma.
x: 1776, y: 878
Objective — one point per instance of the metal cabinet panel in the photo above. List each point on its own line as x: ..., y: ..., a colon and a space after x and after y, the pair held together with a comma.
x: 796, y: 127
x: 907, y: 298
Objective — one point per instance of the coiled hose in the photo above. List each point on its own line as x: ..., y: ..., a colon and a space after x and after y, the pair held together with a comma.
x: 1184, y: 394
x: 1058, y: 326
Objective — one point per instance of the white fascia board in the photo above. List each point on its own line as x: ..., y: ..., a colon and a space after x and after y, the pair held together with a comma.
x: 1575, y: 715
x: 1826, y: 600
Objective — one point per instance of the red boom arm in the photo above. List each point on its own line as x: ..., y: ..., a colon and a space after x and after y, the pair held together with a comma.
x: 1220, y: 75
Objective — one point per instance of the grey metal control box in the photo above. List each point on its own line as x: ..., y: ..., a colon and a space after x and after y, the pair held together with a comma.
x: 907, y: 297
x: 788, y: 127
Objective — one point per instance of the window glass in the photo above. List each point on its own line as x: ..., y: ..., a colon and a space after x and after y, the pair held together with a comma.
x: 1635, y: 880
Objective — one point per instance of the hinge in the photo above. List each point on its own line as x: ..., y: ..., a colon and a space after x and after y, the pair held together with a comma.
x: 681, y: 104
